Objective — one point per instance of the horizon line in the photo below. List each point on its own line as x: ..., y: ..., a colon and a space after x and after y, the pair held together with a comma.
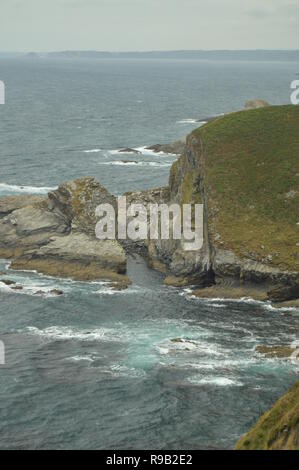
x: 148, y: 51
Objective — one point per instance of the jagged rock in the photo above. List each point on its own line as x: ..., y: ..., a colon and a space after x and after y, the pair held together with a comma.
x: 254, y: 104
x: 27, y: 228
x: 76, y: 202
x: 56, y: 236
x: 56, y: 292
x: 284, y: 293
x: 176, y: 148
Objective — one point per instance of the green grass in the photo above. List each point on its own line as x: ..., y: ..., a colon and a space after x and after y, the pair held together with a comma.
x: 252, y: 183
x: 276, y: 429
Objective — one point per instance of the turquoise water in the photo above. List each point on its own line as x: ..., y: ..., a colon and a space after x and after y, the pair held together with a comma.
x: 96, y: 368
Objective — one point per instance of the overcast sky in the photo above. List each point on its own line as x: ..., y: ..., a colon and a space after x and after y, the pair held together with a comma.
x: 130, y: 25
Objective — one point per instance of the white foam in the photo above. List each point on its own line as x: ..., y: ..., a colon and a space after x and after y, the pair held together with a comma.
x: 11, y: 188
x: 67, y: 333
x: 80, y: 358
x: 148, y: 152
x: 130, y: 163
x: 216, y: 301
x: 187, y: 121
x: 218, y: 381
x: 92, y: 151
x: 144, y: 150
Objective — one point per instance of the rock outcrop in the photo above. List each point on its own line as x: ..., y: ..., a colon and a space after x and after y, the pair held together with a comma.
x: 56, y: 235
x: 176, y: 148
x: 255, y: 104
x: 77, y: 256
x: 241, y: 180
x: 9, y: 204
x: 76, y: 202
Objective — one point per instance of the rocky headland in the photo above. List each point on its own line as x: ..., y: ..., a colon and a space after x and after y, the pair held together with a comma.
x: 243, y: 167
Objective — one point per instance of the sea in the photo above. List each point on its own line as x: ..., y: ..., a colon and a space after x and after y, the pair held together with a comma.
x: 150, y: 367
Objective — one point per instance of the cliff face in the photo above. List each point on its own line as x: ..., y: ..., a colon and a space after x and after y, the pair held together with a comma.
x: 244, y: 168
x: 278, y: 429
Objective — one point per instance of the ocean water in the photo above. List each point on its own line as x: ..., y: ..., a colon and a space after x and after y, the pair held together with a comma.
x: 96, y: 368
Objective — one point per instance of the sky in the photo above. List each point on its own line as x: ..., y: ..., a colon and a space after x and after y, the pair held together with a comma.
x: 142, y: 25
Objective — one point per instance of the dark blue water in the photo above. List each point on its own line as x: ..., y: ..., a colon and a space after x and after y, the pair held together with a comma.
x: 97, y: 368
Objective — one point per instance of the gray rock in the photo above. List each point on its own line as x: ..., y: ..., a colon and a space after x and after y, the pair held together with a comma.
x: 129, y: 150
x: 176, y: 148
x: 77, y: 256
x: 8, y: 204
x: 30, y: 227
x: 76, y: 202
x: 255, y: 104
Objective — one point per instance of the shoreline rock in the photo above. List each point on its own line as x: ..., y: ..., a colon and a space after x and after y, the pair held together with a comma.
x: 175, y: 148
x: 56, y: 235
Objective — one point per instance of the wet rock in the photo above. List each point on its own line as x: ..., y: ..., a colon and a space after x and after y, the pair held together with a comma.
x: 275, y: 351
x: 8, y: 282
x: 176, y: 148
x: 18, y: 287
x: 129, y: 150
x: 56, y: 292
x: 77, y: 256
x: 284, y: 293
x: 118, y: 286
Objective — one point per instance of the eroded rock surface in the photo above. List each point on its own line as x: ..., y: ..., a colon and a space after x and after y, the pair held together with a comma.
x: 56, y: 235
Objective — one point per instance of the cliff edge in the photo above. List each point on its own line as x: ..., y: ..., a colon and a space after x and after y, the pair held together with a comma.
x: 278, y: 429
x: 244, y: 168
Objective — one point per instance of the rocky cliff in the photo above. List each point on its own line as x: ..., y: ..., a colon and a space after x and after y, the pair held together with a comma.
x: 244, y: 168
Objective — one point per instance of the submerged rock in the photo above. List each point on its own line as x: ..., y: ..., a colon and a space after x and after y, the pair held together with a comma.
x: 56, y: 292
x: 129, y: 150
x: 275, y: 351
x: 8, y: 282
x: 284, y: 293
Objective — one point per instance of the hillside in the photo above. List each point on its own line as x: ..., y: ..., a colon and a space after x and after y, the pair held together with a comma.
x: 244, y: 168
x: 252, y: 183
x: 278, y: 429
